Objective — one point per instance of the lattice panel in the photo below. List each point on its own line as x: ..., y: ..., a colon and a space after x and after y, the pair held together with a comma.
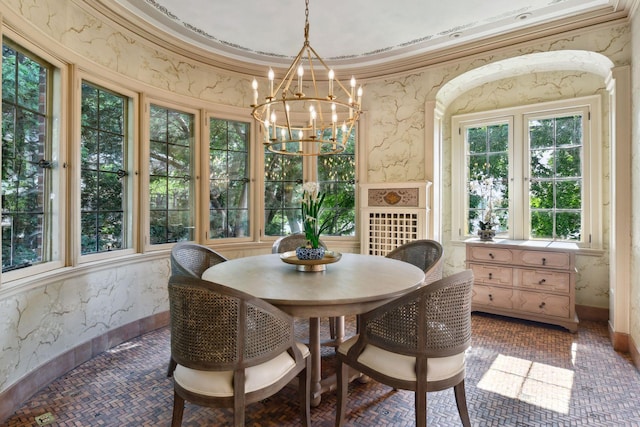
x: 392, y: 214
x: 389, y: 230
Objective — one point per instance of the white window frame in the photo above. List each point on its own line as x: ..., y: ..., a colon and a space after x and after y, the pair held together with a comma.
x: 519, y: 166
x: 144, y: 170
x: 59, y: 102
x: 236, y: 115
x: 130, y: 166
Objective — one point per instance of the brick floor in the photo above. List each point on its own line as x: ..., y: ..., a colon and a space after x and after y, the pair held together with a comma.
x: 518, y: 374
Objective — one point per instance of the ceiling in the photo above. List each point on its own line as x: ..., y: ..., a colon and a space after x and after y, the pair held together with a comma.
x: 356, y: 33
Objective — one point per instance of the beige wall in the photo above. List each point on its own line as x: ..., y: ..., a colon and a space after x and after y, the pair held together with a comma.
x: 46, y: 316
x: 634, y: 304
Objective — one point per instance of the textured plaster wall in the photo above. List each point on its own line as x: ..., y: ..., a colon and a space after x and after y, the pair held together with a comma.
x: 634, y: 307
x: 40, y: 322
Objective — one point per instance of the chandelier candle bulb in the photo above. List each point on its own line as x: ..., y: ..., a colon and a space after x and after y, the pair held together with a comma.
x: 353, y: 88
x: 254, y: 85
x: 274, y: 121
x: 271, y: 77
x: 300, y: 74
x: 331, y: 77
x: 301, y: 133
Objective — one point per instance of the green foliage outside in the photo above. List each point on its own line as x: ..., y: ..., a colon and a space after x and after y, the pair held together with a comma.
x: 283, y: 192
x: 102, y: 156
x: 25, y: 127
x: 555, y: 178
x: 171, y: 186
x: 228, y: 179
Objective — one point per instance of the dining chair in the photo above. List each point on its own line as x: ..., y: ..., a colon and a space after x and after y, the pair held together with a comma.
x: 415, y: 342
x: 232, y: 349
x: 290, y: 243
x: 424, y: 254
x: 190, y: 259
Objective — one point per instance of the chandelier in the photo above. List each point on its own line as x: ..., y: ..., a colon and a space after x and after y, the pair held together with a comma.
x: 306, y: 124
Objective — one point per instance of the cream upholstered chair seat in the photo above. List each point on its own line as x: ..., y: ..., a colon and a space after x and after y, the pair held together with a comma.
x: 220, y: 383
x: 415, y: 342
x: 231, y: 349
x: 403, y: 367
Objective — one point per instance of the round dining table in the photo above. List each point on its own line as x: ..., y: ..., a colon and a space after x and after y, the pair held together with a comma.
x: 353, y: 285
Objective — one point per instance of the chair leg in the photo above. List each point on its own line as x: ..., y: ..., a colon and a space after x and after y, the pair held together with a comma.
x: 421, y: 407
x: 342, y: 372
x: 304, y: 393
x: 178, y: 410
x: 461, y: 402
x: 171, y: 368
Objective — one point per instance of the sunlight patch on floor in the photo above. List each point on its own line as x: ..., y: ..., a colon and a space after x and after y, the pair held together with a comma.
x: 538, y: 384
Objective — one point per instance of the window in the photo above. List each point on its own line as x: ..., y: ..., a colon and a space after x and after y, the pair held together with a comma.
x: 29, y: 174
x: 228, y: 178
x: 529, y: 173
x: 282, y: 180
x: 103, y: 187
x: 284, y: 176
x: 171, y: 175
x: 337, y: 178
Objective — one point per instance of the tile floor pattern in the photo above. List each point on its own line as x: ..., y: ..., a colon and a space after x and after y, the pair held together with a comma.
x: 518, y: 374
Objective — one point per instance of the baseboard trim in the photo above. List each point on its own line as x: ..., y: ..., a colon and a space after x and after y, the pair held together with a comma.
x: 619, y: 341
x: 596, y: 314
x: 634, y: 351
x: 13, y: 398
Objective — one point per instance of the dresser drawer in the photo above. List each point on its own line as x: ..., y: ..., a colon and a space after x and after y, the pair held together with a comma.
x: 545, y: 259
x: 479, y: 253
x: 490, y: 296
x: 542, y: 280
x: 492, y: 274
x: 543, y: 304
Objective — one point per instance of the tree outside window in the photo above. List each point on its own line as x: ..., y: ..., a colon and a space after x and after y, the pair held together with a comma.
x: 555, y: 188
x: 335, y: 173
x: 171, y: 186
x: 488, y: 177
x: 103, y: 170
x: 228, y: 178
x: 26, y: 159
x: 528, y: 172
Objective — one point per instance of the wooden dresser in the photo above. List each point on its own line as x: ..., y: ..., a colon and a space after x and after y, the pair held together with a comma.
x: 527, y: 282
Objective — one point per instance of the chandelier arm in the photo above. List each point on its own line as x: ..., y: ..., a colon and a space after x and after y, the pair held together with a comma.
x: 288, y: 75
x: 324, y: 64
x: 287, y: 118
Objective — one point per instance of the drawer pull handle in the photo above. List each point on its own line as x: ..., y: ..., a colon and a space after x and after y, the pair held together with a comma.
x: 490, y: 297
x: 490, y: 276
x: 541, y: 305
x: 491, y: 255
x: 544, y: 261
x: 541, y: 282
